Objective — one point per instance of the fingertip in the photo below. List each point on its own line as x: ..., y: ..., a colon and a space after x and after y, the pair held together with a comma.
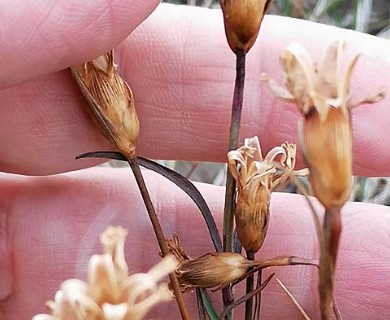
x: 49, y: 35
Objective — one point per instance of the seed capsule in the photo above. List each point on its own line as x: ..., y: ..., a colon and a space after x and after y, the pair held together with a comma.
x: 242, y: 19
x: 110, y: 101
x: 213, y: 270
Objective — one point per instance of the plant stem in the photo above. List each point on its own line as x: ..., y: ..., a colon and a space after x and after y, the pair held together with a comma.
x: 238, y: 97
x: 235, y: 121
x: 329, y: 248
x: 258, y: 297
x: 245, y: 298
x: 159, y: 233
x: 249, y: 287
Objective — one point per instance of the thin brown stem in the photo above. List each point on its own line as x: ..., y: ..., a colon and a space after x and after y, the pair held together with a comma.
x: 328, y: 256
x: 159, y: 233
x: 258, y: 296
x: 238, y: 98
x: 201, y: 309
x: 296, y: 303
x: 245, y: 298
x: 249, y: 287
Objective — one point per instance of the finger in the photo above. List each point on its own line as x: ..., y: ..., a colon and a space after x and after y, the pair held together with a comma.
x: 48, y: 239
x: 183, y: 83
x: 46, y: 36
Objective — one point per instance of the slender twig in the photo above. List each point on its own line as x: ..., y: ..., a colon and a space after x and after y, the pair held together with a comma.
x: 256, y: 314
x: 336, y: 310
x: 235, y: 122
x: 258, y: 296
x: 301, y: 310
x: 329, y: 248
x: 245, y: 298
x: 201, y: 309
x: 159, y: 234
x: 238, y: 97
x: 249, y: 287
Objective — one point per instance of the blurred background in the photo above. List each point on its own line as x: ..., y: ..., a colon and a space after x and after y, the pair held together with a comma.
x: 361, y: 15
x: 367, y: 16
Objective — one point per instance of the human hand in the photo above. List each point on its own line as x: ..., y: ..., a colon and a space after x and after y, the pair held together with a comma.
x: 182, y: 84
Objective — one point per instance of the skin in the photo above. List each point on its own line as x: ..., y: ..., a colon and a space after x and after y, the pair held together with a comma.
x: 181, y: 71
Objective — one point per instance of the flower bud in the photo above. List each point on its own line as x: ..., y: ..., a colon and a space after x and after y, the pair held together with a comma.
x: 213, y: 270
x: 110, y: 101
x: 242, y: 19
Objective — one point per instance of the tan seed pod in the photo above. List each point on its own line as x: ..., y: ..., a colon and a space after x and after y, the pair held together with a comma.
x: 242, y: 19
x: 252, y: 216
x: 110, y: 101
x: 213, y: 270
x: 327, y: 147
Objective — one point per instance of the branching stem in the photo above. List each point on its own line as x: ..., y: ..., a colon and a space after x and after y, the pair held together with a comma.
x: 159, y: 233
x: 249, y: 287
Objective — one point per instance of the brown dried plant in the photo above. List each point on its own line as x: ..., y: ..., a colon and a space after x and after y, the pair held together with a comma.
x: 256, y: 178
x: 322, y: 96
x: 110, y: 103
x: 217, y: 270
x: 111, y: 293
x: 242, y: 21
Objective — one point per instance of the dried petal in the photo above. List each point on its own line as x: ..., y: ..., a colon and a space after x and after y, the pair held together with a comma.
x: 139, y: 310
x: 42, y: 317
x: 113, y: 241
x: 110, y: 294
x: 115, y: 312
x: 73, y: 305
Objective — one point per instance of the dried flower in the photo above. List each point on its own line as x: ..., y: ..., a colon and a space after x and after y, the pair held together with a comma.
x: 242, y: 19
x: 325, y: 133
x: 256, y: 178
x: 219, y: 269
x: 110, y: 101
x: 111, y: 294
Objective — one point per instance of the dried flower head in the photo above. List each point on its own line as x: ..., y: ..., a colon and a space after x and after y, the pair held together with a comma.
x: 242, y: 19
x: 110, y: 293
x: 110, y: 101
x: 322, y: 95
x: 256, y: 177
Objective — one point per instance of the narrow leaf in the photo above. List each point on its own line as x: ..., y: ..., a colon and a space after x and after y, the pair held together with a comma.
x: 183, y: 183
